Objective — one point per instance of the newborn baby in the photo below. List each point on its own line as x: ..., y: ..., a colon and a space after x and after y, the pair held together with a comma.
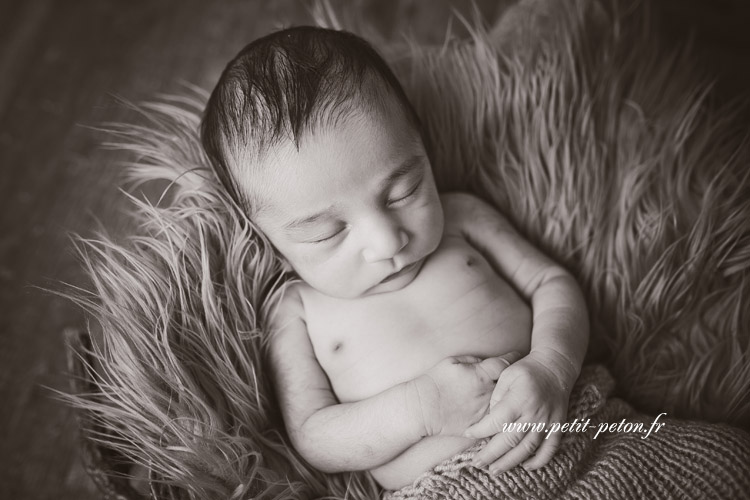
x: 399, y: 343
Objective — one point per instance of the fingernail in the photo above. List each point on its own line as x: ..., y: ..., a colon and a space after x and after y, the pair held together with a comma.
x: 477, y: 462
x: 469, y: 435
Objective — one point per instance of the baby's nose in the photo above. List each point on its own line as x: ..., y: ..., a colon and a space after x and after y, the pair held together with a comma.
x: 385, y: 241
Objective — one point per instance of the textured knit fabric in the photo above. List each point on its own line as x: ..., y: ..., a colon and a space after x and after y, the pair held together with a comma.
x: 682, y: 459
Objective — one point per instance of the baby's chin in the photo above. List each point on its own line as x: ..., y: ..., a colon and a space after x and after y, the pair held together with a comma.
x: 389, y: 284
x: 397, y: 282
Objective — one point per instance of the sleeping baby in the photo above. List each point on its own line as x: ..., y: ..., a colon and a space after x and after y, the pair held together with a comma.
x: 419, y: 322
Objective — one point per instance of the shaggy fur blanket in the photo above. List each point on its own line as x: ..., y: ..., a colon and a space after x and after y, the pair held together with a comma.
x: 601, y: 146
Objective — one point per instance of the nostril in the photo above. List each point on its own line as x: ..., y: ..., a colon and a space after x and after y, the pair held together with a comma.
x: 404, y: 239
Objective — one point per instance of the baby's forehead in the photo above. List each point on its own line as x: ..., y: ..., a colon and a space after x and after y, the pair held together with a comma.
x: 336, y: 123
x: 359, y: 157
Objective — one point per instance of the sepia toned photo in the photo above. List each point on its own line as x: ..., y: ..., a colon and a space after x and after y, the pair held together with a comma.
x: 367, y: 249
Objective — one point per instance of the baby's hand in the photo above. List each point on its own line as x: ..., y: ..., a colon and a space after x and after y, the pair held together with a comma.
x: 455, y: 393
x: 534, y: 390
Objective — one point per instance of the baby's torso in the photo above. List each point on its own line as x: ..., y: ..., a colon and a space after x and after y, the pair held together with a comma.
x: 457, y: 305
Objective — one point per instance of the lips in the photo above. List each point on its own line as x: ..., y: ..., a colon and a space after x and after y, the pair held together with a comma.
x: 404, y: 270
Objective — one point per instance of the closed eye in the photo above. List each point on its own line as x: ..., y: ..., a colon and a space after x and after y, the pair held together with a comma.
x: 408, y: 195
x: 327, y: 238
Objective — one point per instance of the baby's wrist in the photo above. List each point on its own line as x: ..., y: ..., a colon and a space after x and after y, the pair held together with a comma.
x: 566, y: 369
x: 420, y: 396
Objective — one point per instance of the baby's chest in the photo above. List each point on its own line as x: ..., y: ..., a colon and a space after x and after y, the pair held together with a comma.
x: 457, y: 305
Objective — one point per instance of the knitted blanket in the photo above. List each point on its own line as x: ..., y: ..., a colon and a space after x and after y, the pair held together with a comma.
x: 612, y: 452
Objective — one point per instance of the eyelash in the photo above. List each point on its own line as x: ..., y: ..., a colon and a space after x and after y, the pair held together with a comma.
x: 323, y: 240
x: 409, y: 194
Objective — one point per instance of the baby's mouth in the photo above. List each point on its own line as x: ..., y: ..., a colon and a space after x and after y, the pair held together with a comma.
x: 404, y: 270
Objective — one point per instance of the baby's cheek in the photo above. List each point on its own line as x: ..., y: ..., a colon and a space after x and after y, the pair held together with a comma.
x: 432, y: 224
x: 328, y: 270
x: 304, y: 263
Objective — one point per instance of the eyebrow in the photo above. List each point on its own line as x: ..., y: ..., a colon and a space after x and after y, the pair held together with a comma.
x: 402, y: 170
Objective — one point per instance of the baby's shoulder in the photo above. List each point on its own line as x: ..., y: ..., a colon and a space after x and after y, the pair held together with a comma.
x: 458, y: 206
x: 285, y: 320
x: 464, y: 210
x: 288, y: 303
x: 462, y: 205
x: 459, y: 199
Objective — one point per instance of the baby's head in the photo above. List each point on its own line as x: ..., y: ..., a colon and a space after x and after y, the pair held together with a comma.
x: 312, y: 135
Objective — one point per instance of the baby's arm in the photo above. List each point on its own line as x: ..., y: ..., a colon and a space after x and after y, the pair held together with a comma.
x: 336, y: 437
x: 535, y: 389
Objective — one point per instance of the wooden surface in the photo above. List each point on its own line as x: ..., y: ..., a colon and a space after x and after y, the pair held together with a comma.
x: 61, y: 63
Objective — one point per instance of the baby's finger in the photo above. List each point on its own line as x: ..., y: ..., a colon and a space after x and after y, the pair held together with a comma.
x: 518, y: 454
x: 466, y: 359
x: 497, y: 447
x: 494, y: 366
x: 497, y: 395
x: 491, y: 424
x: 545, y: 452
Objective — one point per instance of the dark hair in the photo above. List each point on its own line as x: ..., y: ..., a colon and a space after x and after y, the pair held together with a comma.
x: 285, y: 84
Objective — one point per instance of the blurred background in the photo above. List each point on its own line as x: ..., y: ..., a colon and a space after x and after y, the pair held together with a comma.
x: 62, y: 65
